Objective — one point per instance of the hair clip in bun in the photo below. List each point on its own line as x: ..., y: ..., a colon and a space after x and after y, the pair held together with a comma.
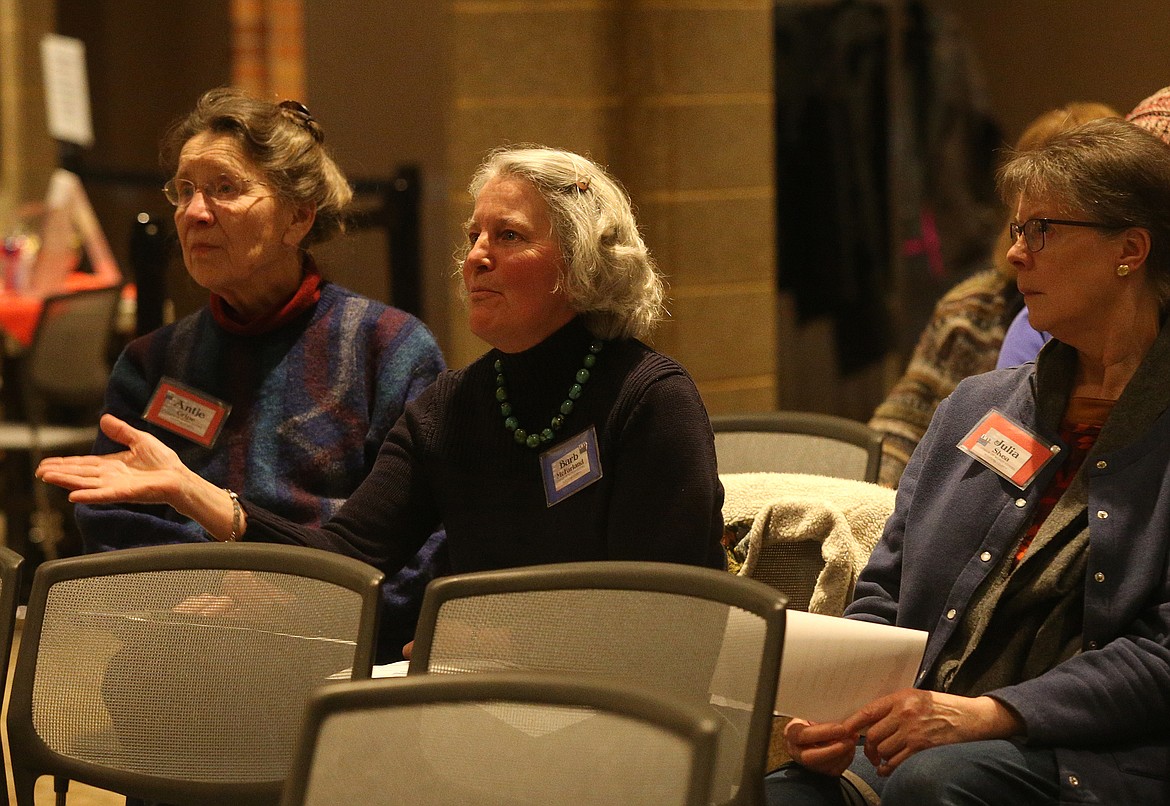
x: 301, y: 114
x: 582, y: 184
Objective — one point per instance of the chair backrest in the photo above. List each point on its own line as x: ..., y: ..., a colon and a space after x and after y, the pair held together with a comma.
x: 10, y: 567
x: 179, y: 673
x: 797, y: 442
x: 693, y: 634
x: 503, y: 738
x: 68, y: 360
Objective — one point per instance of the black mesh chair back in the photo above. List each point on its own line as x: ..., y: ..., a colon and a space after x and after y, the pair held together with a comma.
x: 792, y: 569
x: 179, y: 673
x: 695, y: 635
x: 521, y: 739
x: 10, y: 567
x: 797, y: 442
x: 68, y: 360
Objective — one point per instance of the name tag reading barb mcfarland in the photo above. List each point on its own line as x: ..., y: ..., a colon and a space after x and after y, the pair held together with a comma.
x: 186, y: 412
x: 570, y: 466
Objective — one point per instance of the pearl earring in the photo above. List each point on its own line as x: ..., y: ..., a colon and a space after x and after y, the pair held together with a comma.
x: 1123, y: 270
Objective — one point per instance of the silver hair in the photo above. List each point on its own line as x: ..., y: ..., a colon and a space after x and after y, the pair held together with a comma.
x: 610, y: 278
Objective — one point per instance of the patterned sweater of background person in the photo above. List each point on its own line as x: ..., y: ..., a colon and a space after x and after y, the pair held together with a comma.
x: 962, y: 338
x: 311, y: 401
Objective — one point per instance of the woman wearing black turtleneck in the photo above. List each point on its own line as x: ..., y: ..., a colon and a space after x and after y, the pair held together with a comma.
x: 570, y: 440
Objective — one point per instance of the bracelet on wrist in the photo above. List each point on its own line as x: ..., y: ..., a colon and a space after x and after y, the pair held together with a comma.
x: 235, y: 535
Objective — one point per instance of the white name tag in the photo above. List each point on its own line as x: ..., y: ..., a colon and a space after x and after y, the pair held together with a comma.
x: 1008, y: 448
x: 184, y: 411
x: 570, y: 466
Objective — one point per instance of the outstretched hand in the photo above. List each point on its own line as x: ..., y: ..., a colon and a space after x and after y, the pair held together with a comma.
x: 147, y: 472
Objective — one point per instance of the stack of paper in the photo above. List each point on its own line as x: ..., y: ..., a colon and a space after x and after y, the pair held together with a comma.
x: 833, y: 666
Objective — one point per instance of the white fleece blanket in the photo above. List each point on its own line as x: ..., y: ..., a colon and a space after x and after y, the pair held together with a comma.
x: 846, y: 517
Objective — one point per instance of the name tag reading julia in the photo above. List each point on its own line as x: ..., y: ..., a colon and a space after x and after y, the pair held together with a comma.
x: 1008, y: 448
x: 184, y: 411
x: 570, y: 467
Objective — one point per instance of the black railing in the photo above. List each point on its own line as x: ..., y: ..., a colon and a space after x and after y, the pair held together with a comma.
x: 396, y: 212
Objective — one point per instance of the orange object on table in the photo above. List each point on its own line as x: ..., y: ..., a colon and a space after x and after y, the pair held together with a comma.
x: 19, y: 313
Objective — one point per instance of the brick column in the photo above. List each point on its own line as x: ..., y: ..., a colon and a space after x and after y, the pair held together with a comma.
x: 268, y: 48
x: 27, y: 154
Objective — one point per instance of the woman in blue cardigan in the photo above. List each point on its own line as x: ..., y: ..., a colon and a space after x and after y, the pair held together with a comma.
x: 1031, y: 535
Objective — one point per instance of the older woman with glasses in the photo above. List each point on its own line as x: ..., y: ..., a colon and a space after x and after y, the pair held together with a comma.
x: 569, y: 440
x: 283, y: 387
x: 1031, y: 534
x: 1022, y: 341
x: 967, y: 328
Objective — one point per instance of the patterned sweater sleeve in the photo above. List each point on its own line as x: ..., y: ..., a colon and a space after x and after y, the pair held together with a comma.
x: 962, y: 338
x: 409, y: 360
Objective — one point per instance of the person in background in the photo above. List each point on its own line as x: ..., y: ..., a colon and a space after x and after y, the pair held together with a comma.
x: 569, y: 440
x: 1022, y: 341
x: 964, y: 334
x: 1043, y: 579
x: 283, y: 387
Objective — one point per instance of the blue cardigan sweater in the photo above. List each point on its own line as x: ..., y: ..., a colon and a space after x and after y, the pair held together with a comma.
x: 1106, y: 710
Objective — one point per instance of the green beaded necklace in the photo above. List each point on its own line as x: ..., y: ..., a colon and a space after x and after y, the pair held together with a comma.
x: 535, y: 440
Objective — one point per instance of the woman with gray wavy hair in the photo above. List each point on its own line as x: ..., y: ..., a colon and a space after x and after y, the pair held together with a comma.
x: 609, y: 274
x: 569, y: 440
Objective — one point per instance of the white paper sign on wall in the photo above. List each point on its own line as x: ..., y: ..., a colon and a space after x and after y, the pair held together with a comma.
x: 66, y: 89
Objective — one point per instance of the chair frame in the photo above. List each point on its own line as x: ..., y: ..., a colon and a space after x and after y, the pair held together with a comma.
x: 686, y: 721
x: 10, y: 574
x: 747, y: 594
x: 32, y: 758
x: 829, y: 426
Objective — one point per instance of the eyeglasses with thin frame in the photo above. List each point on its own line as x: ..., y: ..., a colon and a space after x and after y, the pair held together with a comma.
x: 224, y: 188
x: 1034, y: 228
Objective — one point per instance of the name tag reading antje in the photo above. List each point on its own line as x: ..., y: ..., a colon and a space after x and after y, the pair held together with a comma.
x: 1007, y: 448
x: 184, y: 411
x: 570, y: 467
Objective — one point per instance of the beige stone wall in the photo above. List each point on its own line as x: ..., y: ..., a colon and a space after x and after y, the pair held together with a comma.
x: 27, y: 155
x: 696, y: 152
x: 675, y: 97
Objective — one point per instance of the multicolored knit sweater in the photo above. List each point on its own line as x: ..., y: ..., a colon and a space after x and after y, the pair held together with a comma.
x: 311, y: 402
x: 962, y: 338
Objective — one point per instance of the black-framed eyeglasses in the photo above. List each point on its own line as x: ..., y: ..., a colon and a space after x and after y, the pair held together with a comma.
x: 224, y: 188
x: 1034, y: 228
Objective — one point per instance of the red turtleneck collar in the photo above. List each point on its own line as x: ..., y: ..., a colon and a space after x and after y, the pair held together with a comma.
x: 305, y: 297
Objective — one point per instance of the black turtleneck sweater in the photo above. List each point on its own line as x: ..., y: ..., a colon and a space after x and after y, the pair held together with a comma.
x: 450, y: 460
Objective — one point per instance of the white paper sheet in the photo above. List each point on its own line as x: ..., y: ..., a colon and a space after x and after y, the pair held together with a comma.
x: 66, y: 89
x: 833, y: 666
